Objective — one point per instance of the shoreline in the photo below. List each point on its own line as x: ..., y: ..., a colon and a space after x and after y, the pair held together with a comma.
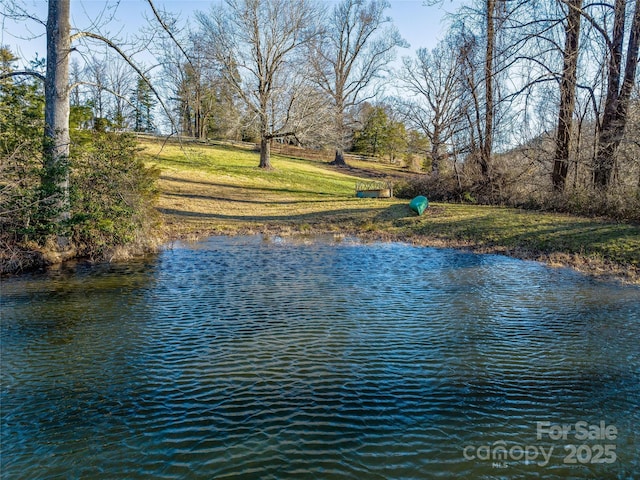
x: 596, y: 268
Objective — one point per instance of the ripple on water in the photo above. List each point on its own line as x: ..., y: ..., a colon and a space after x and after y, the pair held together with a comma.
x: 245, y: 358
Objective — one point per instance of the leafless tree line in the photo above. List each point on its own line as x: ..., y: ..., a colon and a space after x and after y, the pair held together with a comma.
x: 283, y: 70
x: 544, y: 87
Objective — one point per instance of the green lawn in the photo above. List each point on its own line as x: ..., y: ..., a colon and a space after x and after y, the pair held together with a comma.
x: 535, y: 231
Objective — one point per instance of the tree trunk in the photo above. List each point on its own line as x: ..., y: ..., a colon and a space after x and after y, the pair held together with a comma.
x: 567, y: 95
x: 435, y: 152
x: 340, y: 134
x: 55, y: 181
x: 339, y: 158
x: 265, y: 153
x: 487, y: 144
x: 617, y: 102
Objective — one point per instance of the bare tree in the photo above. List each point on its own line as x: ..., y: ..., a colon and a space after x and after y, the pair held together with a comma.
x: 121, y: 82
x: 619, y: 88
x: 355, y: 51
x: 477, y: 29
x: 486, y: 148
x: 257, y: 46
x: 434, y: 81
x: 567, y: 94
x: 76, y: 77
x: 96, y: 83
x: 470, y: 138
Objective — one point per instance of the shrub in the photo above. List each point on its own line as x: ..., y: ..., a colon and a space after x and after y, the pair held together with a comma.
x: 112, y: 197
x: 617, y: 203
x: 21, y: 132
x: 442, y: 188
x: 112, y: 202
x: 20, y: 172
x: 507, y: 188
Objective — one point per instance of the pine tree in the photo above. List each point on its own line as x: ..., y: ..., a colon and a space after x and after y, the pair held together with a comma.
x: 144, y: 103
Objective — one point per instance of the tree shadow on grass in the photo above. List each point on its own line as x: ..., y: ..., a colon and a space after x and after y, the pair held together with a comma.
x: 616, y: 241
x: 193, y: 196
x: 335, y: 216
x: 395, y: 212
x: 370, y: 173
x: 240, y: 187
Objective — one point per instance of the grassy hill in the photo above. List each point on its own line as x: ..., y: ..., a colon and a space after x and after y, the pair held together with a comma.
x: 220, y: 190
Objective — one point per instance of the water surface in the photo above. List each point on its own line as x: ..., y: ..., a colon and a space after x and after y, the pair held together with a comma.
x: 263, y: 358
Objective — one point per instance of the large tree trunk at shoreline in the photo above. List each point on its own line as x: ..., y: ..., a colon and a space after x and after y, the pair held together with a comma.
x: 55, y: 182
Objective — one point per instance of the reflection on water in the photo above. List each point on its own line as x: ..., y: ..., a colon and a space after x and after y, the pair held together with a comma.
x: 263, y: 358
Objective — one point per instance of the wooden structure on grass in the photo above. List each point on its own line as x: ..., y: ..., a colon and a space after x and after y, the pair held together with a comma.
x: 374, y: 189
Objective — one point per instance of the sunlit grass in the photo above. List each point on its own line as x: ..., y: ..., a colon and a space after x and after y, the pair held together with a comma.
x: 234, y: 166
x: 220, y: 189
x: 536, y: 231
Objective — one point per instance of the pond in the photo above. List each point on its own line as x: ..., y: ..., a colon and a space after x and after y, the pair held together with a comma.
x: 268, y: 358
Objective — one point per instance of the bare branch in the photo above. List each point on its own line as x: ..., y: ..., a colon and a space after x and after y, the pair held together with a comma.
x: 102, y: 87
x: 167, y: 29
x: 27, y: 73
x: 127, y: 59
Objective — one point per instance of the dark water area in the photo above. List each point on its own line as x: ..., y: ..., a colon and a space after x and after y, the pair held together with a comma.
x: 268, y: 358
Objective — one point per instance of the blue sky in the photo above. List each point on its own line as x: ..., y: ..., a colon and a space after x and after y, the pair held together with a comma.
x: 420, y: 25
